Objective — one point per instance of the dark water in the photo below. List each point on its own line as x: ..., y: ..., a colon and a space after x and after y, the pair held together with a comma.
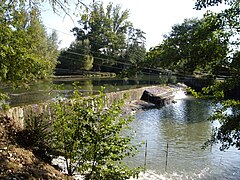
x: 184, y: 127
x: 44, y: 90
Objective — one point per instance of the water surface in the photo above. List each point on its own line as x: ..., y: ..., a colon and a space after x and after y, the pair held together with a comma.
x: 43, y: 91
x: 183, y: 126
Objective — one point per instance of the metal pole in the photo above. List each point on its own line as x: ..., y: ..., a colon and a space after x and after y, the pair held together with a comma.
x: 145, y: 157
x: 166, y: 158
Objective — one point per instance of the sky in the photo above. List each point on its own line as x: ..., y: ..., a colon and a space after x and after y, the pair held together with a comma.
x: 154, y: 17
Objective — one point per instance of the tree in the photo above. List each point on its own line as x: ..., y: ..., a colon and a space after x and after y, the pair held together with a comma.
x: 228, y: 134
x: 77, y: 56
x: 106, y: 30
x: 15, y: 18
x: 53, y: 42
x: 229, y: 18
x: 153, y: 57
x: 27, y: 54
x: 24, y: 45
x: 134, y: 56
x: 193, y: 45
x: 41, y: 45
x: 89, y: 135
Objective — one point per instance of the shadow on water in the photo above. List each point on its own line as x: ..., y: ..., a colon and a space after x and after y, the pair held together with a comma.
x: 44, y: 90
x: 184, y: 127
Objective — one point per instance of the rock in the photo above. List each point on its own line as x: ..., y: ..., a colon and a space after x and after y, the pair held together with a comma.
x: 149, y: 97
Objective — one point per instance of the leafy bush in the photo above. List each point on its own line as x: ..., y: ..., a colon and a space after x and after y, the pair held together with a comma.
x: 86, y: 133
x: 89, y: 135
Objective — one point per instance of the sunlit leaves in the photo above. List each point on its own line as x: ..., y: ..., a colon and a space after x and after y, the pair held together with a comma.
x: 89, y: 135
x: 229, y: 17
x: 26, y: 52
x: 193, y: 45
x: 106, y: 29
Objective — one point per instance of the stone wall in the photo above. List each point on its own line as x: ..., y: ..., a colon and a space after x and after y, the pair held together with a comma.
x: 19, y: 114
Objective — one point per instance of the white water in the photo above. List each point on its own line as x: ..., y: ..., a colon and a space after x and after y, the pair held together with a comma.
x: 180, y: 94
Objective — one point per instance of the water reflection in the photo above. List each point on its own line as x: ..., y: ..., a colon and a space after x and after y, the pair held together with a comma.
x: 40, y: 92
x: 184, y: 127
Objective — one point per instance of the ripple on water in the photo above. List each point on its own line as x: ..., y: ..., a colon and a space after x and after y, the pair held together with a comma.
x: 152, y: 175
x: 184, y: 127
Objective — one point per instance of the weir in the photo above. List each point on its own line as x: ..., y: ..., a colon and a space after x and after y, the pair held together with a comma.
x: 19, y: 114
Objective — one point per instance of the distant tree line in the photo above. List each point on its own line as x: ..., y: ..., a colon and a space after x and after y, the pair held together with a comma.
x: 105, y: 41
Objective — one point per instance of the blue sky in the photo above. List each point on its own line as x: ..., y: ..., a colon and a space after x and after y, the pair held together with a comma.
x: 154, y: 17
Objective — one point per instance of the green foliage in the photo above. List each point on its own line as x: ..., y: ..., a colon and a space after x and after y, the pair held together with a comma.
x: 112, y: 39
x: 134, y: 56
x: 4, y: 106
x: 26, y: 53
x: 77, y: 56
x: 90, y: 137
x: 105, y: 28
x: 229, y: 18
x: 227, y: 110
x: 216, y: 90
x: 194, y: 93
x: 193, y: 45
x: 86, y: 133
x: 37, y: 136
x: 228, y: 134
x: 235, y: 67
x: 153, y: 57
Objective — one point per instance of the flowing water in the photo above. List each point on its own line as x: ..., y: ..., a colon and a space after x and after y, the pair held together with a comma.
x: 183, y: 126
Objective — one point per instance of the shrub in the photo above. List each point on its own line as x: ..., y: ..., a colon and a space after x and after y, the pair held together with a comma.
x: 90, y: 137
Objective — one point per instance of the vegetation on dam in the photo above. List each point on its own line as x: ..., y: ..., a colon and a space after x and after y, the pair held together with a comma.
x: 107, y: 41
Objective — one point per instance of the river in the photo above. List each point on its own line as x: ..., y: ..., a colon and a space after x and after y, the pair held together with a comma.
x: 43, y: 91
x: 183, y: 126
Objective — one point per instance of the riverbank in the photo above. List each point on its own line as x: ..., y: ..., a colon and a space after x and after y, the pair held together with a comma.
x: 81, y: 73
x: 19, y: 163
